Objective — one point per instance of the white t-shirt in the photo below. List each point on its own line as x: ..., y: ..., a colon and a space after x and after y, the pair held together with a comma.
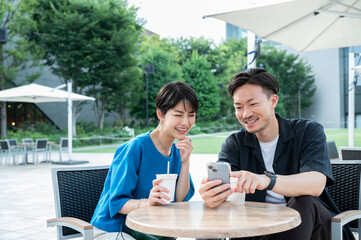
x: 268, y: 152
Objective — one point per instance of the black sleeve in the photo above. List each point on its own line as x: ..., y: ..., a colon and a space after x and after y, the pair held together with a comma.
x: 230, y: 152
x: 314, y: 154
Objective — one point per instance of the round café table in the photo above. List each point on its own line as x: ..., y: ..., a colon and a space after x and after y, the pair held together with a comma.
x: 197, y: 220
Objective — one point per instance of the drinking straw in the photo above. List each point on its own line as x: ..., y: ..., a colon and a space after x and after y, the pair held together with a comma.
x: 168, y: 168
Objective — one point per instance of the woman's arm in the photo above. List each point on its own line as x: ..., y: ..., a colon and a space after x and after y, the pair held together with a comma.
x: 185, y: 149
x: 133, y: 204
x: 183, y: 183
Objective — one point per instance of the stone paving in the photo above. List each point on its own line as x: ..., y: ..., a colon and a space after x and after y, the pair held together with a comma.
x: 26, y: 194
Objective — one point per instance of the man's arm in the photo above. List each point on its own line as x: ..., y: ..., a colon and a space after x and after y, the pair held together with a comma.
x: 307, y: 183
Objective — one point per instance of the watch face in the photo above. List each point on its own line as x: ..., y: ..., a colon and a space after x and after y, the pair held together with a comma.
x: 270, y: 174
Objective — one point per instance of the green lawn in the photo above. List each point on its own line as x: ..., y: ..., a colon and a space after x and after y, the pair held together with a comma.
x: 212, y: 144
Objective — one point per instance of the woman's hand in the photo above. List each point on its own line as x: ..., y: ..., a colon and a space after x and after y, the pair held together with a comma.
x: 156, y: 194
x: 185, y: 147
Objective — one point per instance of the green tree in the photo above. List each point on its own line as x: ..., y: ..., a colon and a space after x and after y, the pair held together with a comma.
x: 14, y: 54
x: 92, y: 44
x: 198, y: 75
x: 232, y: 59
x: 205, y: 48
x: 295, y: 79
x: 163, y: 56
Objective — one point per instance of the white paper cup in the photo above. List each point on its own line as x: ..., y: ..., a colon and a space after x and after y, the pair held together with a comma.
x: 168, y: 181
x: 236, y: 198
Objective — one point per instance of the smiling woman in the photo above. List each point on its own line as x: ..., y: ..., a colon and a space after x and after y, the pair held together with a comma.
x: 131, y: 182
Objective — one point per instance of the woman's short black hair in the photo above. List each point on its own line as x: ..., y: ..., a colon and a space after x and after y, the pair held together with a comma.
x: 257, y: 76
x: 174, y: 92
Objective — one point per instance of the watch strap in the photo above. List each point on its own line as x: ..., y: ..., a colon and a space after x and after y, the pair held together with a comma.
x: 273, y: 178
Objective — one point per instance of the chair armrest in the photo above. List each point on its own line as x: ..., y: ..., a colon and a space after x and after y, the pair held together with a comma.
x: 338, y: 221
x: 346, y: 217
x: 85, y: 228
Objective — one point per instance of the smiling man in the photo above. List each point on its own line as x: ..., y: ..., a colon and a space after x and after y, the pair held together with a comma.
x: 276, y: 160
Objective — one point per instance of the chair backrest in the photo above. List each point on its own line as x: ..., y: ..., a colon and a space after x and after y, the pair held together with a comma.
x: 41, y: 143
x: 63, y: 142
x: 5, y: 145
x: 28, y: 140
x: 13, y: 142
x: 346, y: 190
x: 332, y: 149
x: 76, y: 193
x: 350, y: 153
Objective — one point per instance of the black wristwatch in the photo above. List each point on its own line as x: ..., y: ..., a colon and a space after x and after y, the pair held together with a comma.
x: 273, y: 178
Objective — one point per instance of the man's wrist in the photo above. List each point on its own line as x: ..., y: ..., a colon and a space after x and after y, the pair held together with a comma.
x: 273, y: 178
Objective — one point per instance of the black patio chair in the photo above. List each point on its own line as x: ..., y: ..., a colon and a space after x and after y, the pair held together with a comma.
x: 346, y: 194
x: 8, y: 151
x: 76, y: 193
x: 62, y: 145
x: 41, y: 146
x: 332, y: 150
x: 350, y: 153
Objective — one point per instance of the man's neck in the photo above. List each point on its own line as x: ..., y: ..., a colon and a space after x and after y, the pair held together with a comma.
x: 270, y: 133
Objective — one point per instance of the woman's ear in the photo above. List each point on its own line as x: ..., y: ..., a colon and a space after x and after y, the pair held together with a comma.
x: 159, y: 115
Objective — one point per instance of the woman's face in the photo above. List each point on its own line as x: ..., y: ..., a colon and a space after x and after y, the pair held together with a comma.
x: 177, y: 122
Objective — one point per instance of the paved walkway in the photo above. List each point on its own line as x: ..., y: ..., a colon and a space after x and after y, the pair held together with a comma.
x: 26, y: 194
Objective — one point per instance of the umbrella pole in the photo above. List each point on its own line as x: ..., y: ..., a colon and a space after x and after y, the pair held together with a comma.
x: 251, y: 47
x: 70, y: 131
x: 70, y: 127
x: 351, y: 99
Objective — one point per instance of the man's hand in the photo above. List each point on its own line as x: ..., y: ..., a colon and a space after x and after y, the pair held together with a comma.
x: 213, y: 193
x: 249, y: 182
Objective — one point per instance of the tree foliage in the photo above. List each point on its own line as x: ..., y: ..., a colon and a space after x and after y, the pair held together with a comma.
x: 92, y: 44
x: 294, y: 76
x: 198, y: 75
x: 163, y: 56
x: 232, y: 58
x: 14, y: 54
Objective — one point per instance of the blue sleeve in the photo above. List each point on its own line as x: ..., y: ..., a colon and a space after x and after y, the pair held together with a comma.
x: 124, y: 176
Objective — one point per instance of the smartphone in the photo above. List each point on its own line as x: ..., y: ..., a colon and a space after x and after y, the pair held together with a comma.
x: 219, y: 170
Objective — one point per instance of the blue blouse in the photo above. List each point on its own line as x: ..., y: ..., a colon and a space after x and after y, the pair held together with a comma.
x: 130, y: 176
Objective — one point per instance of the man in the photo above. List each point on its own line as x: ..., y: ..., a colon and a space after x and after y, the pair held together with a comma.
x: 276, y: 160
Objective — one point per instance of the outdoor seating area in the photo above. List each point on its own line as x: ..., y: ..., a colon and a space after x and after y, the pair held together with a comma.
x: 28, y: 196
x: 29, y: 151
x: 184, y: 120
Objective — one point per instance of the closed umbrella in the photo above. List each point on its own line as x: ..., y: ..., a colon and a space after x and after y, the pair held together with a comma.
x: 35, y: 93
x: 306, y: 25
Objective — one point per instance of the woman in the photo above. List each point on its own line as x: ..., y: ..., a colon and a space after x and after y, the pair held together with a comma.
x: 131, y: 182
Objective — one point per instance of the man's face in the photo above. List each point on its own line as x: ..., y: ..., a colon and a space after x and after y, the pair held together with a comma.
x: 253, y: 108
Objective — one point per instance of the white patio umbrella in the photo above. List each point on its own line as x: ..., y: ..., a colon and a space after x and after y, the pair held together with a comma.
x: 306, y: 25
x: 35, y: 93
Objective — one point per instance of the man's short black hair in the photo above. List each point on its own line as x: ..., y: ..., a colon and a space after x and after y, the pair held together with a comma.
x: 174, y: 92
x: 256, y: 76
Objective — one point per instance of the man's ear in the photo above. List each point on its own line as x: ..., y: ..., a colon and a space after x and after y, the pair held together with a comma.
x: 274, y: 100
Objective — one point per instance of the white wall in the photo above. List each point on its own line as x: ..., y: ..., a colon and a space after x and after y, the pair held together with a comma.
x: 327, y: 101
